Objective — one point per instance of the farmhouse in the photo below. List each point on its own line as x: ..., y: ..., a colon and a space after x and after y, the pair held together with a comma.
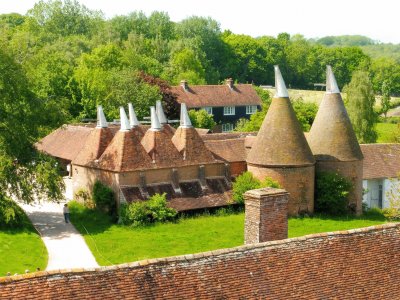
x: 227, y: 103
x: 196, y: 170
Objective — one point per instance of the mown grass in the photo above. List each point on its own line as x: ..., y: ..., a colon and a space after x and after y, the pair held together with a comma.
x: 386, y: 132
x: 21, y: 249
x: 113, y: 244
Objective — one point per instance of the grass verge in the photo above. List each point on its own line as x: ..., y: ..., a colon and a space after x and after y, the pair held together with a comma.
x: 114, y: 244
x: 386, y: 132
x: 21, y: 249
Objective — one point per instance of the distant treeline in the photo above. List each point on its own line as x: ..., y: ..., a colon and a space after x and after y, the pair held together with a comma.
x: 75, y: 58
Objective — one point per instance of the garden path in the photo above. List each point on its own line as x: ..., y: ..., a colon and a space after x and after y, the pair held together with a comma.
x: 66, y: 247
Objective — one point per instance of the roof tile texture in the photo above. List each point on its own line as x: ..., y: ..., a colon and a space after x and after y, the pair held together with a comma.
x: 381, y: 160
x: 280, y: 141
x: 217, y: 95
x: 332, y: 136
x: 341, y: 265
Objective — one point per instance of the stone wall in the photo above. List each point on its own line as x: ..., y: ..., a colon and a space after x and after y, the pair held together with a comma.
x: 355, y: 264
x: 299, y: 182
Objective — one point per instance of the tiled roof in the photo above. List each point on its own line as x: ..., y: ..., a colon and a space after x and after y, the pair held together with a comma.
x: 227, y: 150
x: 94, y: 146
x: 65, y: 142
x: 280, y: 140
x: 227, y: 135
x: 125, y: 153
x: 381, y: 160
x: 341, y: 265
x: 191, y: 146
x: 217, y: 95
x: 159, y: 146
x: 332, y: 137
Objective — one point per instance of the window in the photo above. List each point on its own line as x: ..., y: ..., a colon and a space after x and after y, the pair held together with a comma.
x: 229, y: 110
x: 227, y: 127
x: 208, y: 109
x: 251, y: 109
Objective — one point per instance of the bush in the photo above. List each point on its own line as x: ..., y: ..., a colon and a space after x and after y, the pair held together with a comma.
x: 201, y: 119
x: 332, y: 191
x: 374, y: 213
x: 147, y: 212
x: 83, y: 196
x: 103, y: 197
x: 11, y: 215
x: 246, y: 182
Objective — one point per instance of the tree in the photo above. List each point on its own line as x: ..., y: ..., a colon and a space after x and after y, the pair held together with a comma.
x: 186, y: 65
x: 24, y: 173
x: 360, y: 100
x: 385, y: 100
x: 201, y: 119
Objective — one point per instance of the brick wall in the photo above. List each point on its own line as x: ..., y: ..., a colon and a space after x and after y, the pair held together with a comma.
x: 355, y: 264
x: 299, y: 182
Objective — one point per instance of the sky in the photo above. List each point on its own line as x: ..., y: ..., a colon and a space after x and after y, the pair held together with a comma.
x: 378, y: 20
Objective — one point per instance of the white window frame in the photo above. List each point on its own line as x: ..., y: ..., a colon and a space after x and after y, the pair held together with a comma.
x: 229, y: 110
x: 227, y: 127
x: 251, y: 109
x: 208, y: 109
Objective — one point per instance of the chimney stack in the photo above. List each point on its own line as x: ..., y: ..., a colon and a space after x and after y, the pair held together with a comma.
x: 184, y: 85
x: 266, y: 212
x: 229, y: 83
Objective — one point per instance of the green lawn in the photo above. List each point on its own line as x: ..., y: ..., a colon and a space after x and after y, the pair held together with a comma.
x: 386, y: 132
x: 21, y: 249
x: 114, y: 244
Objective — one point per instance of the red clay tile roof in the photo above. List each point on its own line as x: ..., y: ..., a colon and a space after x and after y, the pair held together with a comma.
x: 280, y: 140
x: 227, y: 150
x: 160, y: 148
x: 381, y: 160
x: 94, y: 146
x: 65, y: 142
x: 342, y: 265
x: 191, y: 146
x: 125, y: 153
x: 205, y: 201
x: 217, y: 95
x: 332, y: 137
x: 227, y: 135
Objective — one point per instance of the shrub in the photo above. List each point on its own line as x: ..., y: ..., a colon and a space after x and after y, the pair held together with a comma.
x: 83, y: 196
x: 11, y: 215
x: 374, y: 213
x: 147, y: 212
x: 332, y: 191
x: 246, y: 182
x: 103, y: 197
x: 201, y: 119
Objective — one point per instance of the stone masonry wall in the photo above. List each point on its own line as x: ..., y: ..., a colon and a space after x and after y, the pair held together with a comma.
x: 356, y: 264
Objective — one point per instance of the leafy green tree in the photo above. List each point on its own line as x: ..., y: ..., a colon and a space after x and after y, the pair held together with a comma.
x: 385, y: 100
x: 201, y: 119
x: 24, y: 173
x: 305, y: 113
x: 360, y: 100
x: 186, y: 65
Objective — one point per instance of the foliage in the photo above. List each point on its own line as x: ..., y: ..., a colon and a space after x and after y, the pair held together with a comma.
x: 393, y: 195
x: 147, y: 212
x: 11, y: 215
x: 385, y: 101
x: 305, y: 113
x: 115, y: 244
x: 82, y: 195
x: 246, y: 182
x: 103, y: 197
x: 331, y: 193
x: 388, y: 132
x: 201, y: 119
x: 360, y: 106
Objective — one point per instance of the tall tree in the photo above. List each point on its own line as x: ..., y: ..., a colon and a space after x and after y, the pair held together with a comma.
x: 385, y: 100
x: 360, y: 100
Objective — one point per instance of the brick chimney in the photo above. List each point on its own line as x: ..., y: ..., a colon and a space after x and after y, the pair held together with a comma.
x: 266, y: 212
x: 229, y: 82
x: 184, y: 85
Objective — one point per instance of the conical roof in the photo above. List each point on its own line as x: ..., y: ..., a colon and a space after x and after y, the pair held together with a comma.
x: 280, y: 141
x: 189, y: 143
x: 125, y: 153
x: 96, y: 143
x: 332, y: 137
x: 162, y: 151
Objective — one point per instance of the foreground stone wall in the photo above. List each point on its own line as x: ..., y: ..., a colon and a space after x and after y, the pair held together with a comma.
x: 355, y: 264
